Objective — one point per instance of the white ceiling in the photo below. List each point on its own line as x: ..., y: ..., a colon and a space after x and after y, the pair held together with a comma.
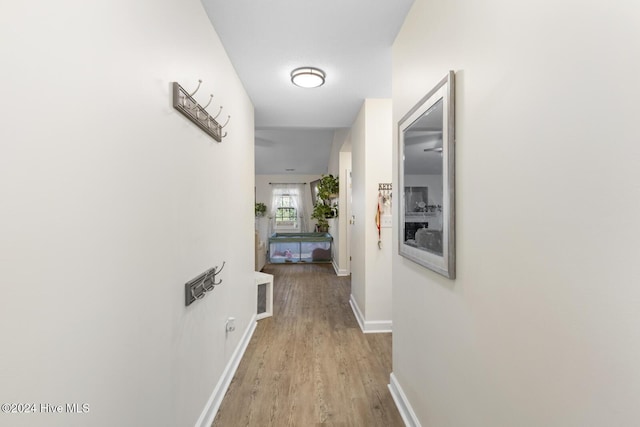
x: 266, y: 39
x: 304, y: 150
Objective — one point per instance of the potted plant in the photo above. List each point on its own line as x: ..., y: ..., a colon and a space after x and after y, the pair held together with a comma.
x: 261, y: 208
x: 328, y: 188
x: 325, y: 208
x: 320, y: 212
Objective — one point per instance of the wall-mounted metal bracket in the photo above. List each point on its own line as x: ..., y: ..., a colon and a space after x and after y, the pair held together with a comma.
x: 197, y: 288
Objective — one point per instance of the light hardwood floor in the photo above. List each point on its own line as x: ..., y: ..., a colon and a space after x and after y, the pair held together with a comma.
x: 310, y: 364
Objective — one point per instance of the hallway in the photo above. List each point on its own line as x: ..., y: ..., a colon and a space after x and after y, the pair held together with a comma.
x: 310, y: 364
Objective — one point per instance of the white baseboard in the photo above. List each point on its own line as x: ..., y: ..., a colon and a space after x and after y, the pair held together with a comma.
x: 402, y: 403
x: 339, y: 272
x: 369, y: 326
x: 211, y: 409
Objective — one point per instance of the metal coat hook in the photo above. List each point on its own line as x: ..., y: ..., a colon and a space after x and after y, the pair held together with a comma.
x: 203, y: 110
x: 210, y: 99
x: 227, y: 122
x: 221, y: 268
x: 194, y: 92
x: 195, y: 296
x: 219, y: 111
x: 204, y: 281
x: 216, y: 272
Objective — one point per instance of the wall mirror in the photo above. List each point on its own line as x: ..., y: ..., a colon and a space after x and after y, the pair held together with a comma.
x: 426, y: 144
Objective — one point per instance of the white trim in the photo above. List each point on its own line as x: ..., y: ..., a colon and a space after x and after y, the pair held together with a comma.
x: 369, y: 326
x: 288, y: 228
x: 343, y: 272
x: 402, y: 403
x: 267, y: 280
x: 211, y: 409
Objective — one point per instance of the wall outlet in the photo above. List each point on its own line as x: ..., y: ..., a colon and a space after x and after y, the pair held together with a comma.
x: 231, y: 324
x: 386, y: 221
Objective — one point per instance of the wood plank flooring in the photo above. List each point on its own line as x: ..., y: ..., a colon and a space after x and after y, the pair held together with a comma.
x: 310, y: 364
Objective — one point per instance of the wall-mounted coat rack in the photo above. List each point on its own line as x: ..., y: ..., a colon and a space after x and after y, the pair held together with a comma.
x: 189, y: 107
x: 197, y: 288
x: 383, y: 213
x: 384, y: 196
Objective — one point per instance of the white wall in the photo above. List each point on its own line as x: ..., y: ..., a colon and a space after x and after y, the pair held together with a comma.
x: 339, y: 164
x: 371, y: 266
x: 340, y: 138
x: 540, y: 328
x: 111, y: 201
x: 343, y: 265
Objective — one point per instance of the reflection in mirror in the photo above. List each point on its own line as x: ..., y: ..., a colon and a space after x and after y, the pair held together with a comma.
x: 423, y: 177
x: 426, y: 175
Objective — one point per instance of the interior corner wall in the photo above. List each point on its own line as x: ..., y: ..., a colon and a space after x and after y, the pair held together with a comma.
x: 111, y: 202
x: 339, y: 163
x: 343, y: 251
x: 340, y: 138
x: 371, y: 144
x: 540, y: 326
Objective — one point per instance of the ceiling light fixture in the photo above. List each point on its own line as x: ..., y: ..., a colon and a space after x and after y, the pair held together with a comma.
x: 307, y: 77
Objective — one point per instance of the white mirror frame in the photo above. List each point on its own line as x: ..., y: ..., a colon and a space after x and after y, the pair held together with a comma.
x: 444, y: 264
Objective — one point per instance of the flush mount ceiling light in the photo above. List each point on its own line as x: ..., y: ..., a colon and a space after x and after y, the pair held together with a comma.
x: 307, y: 77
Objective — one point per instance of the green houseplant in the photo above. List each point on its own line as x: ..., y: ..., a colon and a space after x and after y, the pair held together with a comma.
x: 261, y: 208
x: 324, y: 208
x: 328, y: 188
x: 321, y: 213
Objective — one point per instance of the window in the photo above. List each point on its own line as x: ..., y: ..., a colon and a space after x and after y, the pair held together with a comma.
x: 286, y: 213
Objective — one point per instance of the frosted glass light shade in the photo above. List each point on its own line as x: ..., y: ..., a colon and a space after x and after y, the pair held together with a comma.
x: 307, y: 77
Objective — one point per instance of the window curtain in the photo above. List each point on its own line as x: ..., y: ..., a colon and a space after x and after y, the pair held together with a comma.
x: 297, y: 193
